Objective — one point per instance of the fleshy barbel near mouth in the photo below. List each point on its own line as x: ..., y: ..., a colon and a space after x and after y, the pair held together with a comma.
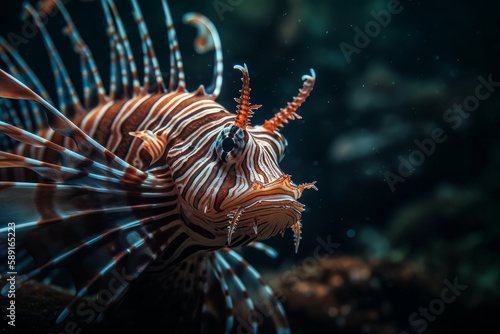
x: 272, y: 209
x: 284, y: 185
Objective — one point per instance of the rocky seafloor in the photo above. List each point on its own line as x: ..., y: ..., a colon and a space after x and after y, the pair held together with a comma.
x: 338, y: 294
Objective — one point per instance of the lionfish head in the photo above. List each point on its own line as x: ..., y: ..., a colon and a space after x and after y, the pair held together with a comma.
x: 243, y: 195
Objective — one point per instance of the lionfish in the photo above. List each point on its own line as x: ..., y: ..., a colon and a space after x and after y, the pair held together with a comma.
x: 143, y: 188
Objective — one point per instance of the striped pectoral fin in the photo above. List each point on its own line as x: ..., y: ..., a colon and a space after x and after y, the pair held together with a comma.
x: 20, y: 68
x: 45, y: 170
x: 153, y: 144
x: 217, y: 303
x: 243, y: 303
x: 12, y: 88
x: 94, y: 215
x: 266, y: 304
x: 94, y: 234
x: 24, y: 114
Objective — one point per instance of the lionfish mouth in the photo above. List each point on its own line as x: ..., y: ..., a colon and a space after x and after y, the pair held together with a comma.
x: 273, y: 211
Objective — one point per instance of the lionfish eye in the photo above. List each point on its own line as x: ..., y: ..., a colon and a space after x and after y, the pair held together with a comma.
x: 230, y: 143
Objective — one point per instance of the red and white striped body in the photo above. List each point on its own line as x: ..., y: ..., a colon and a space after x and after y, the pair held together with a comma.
x: 159, y: 183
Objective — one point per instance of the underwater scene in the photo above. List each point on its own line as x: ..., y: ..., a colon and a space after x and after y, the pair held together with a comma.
x: 249, y: 166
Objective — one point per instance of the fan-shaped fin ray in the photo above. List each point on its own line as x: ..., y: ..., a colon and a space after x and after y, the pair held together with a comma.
x: 242, y: 302
x: 149, y: 53
x: 92, y: 82
x: 177, y: 76
x: 69, y: 102
x: 127, y: 56
x: 12, y: 88
x: 206, y: 40
x: 262, y: 295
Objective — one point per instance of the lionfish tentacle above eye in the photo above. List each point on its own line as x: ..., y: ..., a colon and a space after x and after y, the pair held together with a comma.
x: 244, y: 110
x: 143, y: 178
x: 290, y: 112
